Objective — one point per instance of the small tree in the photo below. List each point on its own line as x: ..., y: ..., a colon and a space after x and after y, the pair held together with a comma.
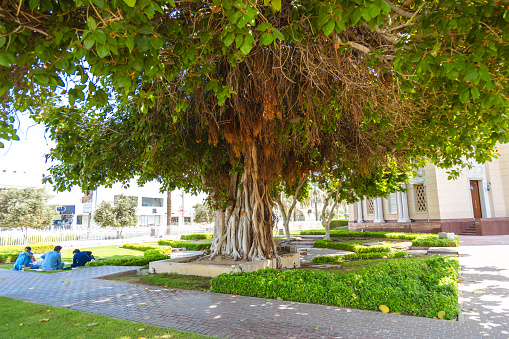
x: 287, y: 196
x: 25, y: 208
x: 203, y: 213
x: 121, y: 214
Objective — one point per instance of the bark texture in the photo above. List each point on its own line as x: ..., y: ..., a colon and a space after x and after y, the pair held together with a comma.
x: 244, y: 229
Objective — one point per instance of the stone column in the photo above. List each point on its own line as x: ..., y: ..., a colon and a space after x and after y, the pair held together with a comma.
x: 379, y: 212
x: 403, y: 207
x: 359, y: 211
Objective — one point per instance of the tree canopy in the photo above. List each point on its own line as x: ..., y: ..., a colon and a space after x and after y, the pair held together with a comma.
x: 25, y: 208
x: 231, y: 97
x: 121, y: 214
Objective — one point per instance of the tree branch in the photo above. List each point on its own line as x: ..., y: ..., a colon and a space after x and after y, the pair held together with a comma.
x: 401, y: 11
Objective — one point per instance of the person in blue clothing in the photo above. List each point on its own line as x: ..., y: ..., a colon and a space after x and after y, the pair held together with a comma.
x: 24, y: 259
x: 80, y: 258
x: 53, y: 260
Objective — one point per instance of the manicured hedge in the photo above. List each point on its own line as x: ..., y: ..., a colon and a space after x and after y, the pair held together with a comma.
x: 196, y: 236
x: 416, y: 287
x: 351, y: 247
x: 434, y: 241
x: 375, y: 255
x: 161, y: 249
x: 387, y: 235
x: 190, y: 246
x: 148, y: 256
x: 338, y: 223
x: 10, y: 253
x: 418, y: 239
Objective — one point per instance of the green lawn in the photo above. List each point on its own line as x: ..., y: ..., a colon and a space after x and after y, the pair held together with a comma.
x: 21, y: 319
x: 104, y: 252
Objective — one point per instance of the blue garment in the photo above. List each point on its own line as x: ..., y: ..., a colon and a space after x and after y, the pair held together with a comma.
x: 52, y: 261
x: 22, y: 260
x: 80, y: 259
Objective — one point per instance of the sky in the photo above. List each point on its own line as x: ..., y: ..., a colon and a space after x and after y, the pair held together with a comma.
x: 27, y: 155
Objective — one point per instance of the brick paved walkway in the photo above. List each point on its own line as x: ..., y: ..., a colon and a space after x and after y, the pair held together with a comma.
x: 244, y: 317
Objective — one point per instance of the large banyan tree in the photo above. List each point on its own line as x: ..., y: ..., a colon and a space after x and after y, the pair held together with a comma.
x: 234, y: 97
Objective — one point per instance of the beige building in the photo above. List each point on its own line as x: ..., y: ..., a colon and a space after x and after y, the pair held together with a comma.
x: 477, y: 202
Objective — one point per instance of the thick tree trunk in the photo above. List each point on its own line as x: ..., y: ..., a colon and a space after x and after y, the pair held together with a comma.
x: 244, y: 230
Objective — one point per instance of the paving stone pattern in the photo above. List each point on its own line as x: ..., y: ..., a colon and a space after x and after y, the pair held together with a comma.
x: 231, y: 316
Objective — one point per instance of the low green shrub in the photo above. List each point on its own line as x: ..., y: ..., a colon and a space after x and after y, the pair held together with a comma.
x: 148, y: 256
x: 350, y: 247
x: 338, y: 223
x: 434, y: 241
x: 190, y: 246
x: 387, y: 235
x: 10, y: 253
x: 415, y: 287
x: 375, y: 255
x: 196, y: 236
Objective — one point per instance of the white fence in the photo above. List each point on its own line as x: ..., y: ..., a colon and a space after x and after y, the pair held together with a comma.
x: 106, y: 235
x: 12, y: 238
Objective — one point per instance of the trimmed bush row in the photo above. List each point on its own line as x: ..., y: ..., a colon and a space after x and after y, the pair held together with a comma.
x: 196, y: 236
x: 10, y: 253
x: 431, y: 239
x: 387, y: 235
x: 190, y: 246
x: 416, y: 287
x: 350, y: 247
x: 161, y: 249
x: 434, y: 241
x: 148, y: 256
x: 338, y: 223
x: 335, y: 258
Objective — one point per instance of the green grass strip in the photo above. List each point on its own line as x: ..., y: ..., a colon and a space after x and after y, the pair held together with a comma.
x: 21, y: 319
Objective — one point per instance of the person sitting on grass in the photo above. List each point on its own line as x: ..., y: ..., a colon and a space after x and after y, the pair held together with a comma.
x: 81, y: 258
x: 53, y: 260
x: 24, y: 259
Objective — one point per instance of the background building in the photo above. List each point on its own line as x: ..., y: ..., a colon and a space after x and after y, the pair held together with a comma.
x: 477, y: 202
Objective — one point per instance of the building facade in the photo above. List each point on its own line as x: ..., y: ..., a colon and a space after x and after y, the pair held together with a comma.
x: 477, y: 202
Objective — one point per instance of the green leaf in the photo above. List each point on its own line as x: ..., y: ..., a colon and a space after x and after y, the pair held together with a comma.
x: 102, y: 50
x: 453, y: 74
x: 42, y: 79
x: 228, y: 39
x: 239, y: 40
x: 328, y: 28
x: 99, y: 3
x: 6, y: 58
x: 2, y: 41
x: 132, y: 3
x: 157, y: 43
x: 266, y: 38
x: 278, y: 34
x: 91, y: 23
x: 99, y: 36
x: 130, y: 43
x: 276, y: 5
x: 475, y: 92
x: 89, y: 42
x: 356, y: 16
x: 465, y: 96
x: 246, y: 47
x: 33, y: 4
